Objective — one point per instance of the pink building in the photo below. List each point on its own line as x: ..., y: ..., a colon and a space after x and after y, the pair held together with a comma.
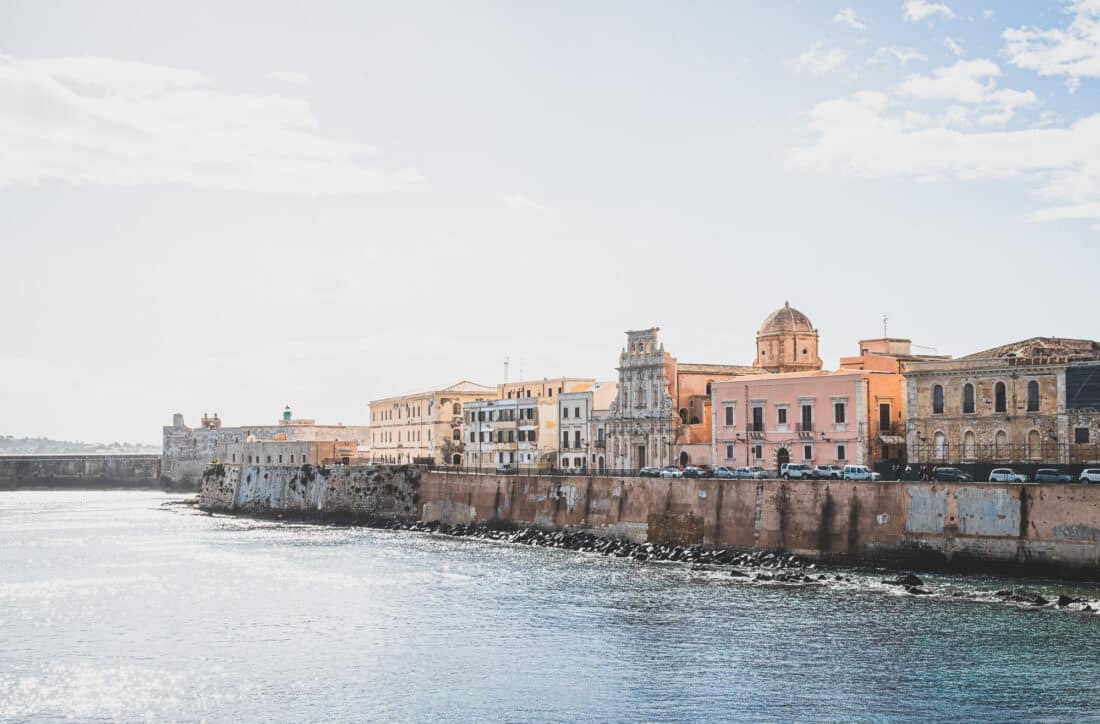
x: 854, y: 416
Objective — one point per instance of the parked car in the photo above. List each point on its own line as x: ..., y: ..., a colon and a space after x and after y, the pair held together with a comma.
x: 797, y: 471
x: 1006, y: 475
x: 1050, y: 475
x: 1089, y: 475
x: 758, y: 473
x: 694, y: 471
x: 723, y: 472
x: 743, y: 473
x: 828, y: 472
x: 505, y: 469
x: 859, y: 472
x: 950, y: 475
x: 650, y: 473
x: 672, y: 471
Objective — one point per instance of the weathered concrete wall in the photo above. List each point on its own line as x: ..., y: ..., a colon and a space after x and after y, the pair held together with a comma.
x: 24, y: 471
x: 1037, y: 528
x: 340, y: 491
x: 1046, y: 529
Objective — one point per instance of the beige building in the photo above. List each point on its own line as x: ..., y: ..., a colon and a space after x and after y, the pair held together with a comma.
x: 424, y: 427
x: 1036, y: 400
x: 581, y: 438
x: 289, y: 453
x: 519, y: 431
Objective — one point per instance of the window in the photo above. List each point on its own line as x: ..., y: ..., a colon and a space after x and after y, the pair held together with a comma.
x: 841, y: 452
x: 807, y: 452
x: 939, y: 446
x: 937, y: 400
x: 968, y: 399
x: 757, y: 419
x: 729, y: 415
x: 999, y: 397
x: 565, y: 440
x: 758, y: 452
x: 729, y: 452
x: 472, y: 436
x: 807, y: 417
x: 234, y: 456
x: 781, y: 415
x: 269, y: 458
x: 532, y: 435
x: 456, y: 409
x: 839, y: 410
x: 576, y: 412
x: 280, y: 458
x: 456, y: 435
x: 511, y: 436
x: 1080, y: 435
x: 577, y: 439
x: 1033, y: 396
x: 565, y: 412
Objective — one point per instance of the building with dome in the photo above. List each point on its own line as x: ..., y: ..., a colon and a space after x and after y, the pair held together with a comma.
x: 787, y: 342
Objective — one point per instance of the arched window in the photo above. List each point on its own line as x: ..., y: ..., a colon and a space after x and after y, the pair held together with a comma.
x: 999, y: 397
x: 708, y: 387
x: 1033, y: 396
x: 1000, y: 444
x: 968, y: 398
x: 970, y: 445
x: 456, y: 409
x: 456, y: 434
x: 937, y: 400
x: 939, y: 446
x: 1034, y: 445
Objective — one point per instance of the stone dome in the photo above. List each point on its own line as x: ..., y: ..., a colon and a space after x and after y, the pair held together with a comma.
x: 786, y: 319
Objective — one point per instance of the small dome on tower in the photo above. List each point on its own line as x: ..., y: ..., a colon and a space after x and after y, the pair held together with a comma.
x: 786, y: 319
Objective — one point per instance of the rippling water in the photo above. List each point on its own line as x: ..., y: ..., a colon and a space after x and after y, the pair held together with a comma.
x: 113, y: 606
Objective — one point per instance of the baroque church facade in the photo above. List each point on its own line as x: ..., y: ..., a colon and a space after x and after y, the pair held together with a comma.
x: 662, y: 415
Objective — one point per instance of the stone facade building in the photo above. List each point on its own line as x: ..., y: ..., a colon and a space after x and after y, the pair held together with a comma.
x: 424, y: 426
x: 519, y: 431
x: 1036, y: 400
x: 787, y: 342
x: 580, y: 447
x: 186, y: 451
x: 661, y: 413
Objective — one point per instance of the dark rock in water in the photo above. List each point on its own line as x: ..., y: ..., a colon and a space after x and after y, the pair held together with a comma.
x: 907, y: 580
x: 1003, y: 594
x: 738, y: 574
x: 1064, y: 600
x: 918, y: 591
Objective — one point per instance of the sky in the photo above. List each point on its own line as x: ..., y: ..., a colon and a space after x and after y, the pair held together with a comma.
x: 231, y: 207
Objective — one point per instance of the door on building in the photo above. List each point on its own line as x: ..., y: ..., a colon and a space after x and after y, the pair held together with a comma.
x: 683, y: 458
x: 639, y: 456
x: 782, y: 457
x: 884, y: 418
x: 456, y: 459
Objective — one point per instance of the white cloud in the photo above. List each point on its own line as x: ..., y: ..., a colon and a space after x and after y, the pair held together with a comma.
x: 953, y: 45
x: 901, y: 55
x: 848, y: 16
x: 868, y: 134
x: 519, y: 202
x: 972, y: 83
x: 288, y: 76
x: 820, y: 60
x: 1073, y: 52
x: 89, y: 120
x: 918, y: 10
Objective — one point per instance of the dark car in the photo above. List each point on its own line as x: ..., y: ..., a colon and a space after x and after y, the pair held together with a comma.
x: 650, y: 473
x: 694, y: 471
x: 951, y: 475
x: 1050, y: 475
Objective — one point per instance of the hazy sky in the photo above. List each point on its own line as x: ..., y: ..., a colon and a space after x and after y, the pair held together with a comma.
x: 232, y: 206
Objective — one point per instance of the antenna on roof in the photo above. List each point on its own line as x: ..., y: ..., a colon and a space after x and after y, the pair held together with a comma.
x: 884, y: 318
x: 505, y: 369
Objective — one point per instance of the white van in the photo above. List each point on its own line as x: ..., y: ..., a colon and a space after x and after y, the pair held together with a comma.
x: 860, y: 472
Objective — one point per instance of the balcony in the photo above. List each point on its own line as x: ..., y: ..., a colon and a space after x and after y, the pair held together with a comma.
x: 600, y: 444
x: 805, y: 429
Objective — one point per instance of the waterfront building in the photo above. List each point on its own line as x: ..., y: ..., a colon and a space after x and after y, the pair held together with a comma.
x: 787, y: 342
x: 289, y: 453
x: 423, y: 427
x: 186, y: 451
x: 852, y: 416
x: 581, y: 440
x: 546, y: 387
x: 1036, y: 400
x: 660, y: 415
x: 520, y: 431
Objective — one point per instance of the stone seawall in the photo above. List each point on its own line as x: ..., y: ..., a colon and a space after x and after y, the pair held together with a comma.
x: 79, y: 471
x: 1039, y: 529
x: 339, y: 492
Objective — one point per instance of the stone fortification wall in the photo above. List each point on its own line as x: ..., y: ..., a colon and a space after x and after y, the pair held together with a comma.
x: 22, y: 471
x: 1035, y: 528
x: 353, y: 492
x: 1045, y: 529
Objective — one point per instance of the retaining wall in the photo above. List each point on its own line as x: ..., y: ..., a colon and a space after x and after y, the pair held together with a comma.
x: 1044, y: 529
x: 74, y: 471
